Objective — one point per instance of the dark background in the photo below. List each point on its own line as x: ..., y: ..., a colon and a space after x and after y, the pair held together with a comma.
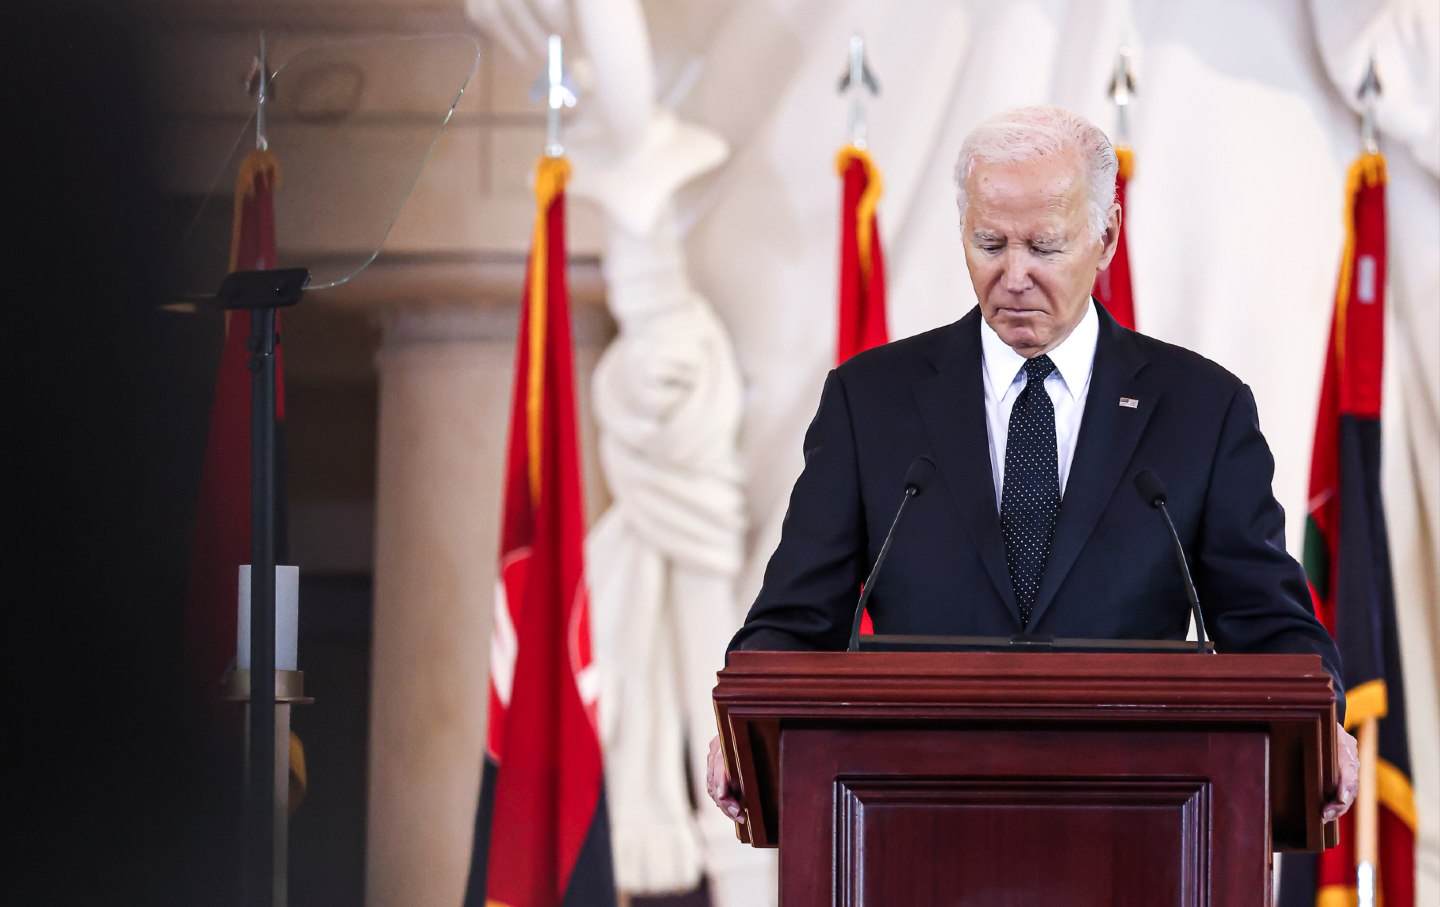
x: 120, y: 786
x: 113, y: 792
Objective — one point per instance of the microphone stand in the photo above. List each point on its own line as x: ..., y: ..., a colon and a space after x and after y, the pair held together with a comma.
x: 910, y: 492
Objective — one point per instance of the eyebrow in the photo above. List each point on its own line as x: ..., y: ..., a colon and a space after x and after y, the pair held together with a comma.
x: 985, y: 236
x: 1048, y: 241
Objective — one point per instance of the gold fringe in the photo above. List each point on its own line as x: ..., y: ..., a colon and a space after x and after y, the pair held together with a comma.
x: 1126, y: 157
x: 551, y: 174
x: 869, y: 201
x: 1395, y: 794
x: 1367, y: 170
x: 1337, y: 896
x: 1368, y: 700
x: 256, y: 163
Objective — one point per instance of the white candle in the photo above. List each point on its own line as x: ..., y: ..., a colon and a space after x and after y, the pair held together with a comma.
x: 287, y: 618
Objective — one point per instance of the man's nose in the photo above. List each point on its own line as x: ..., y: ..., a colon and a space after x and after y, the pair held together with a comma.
x: 1017, y: 270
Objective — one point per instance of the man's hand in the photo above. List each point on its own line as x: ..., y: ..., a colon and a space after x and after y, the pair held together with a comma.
x: 718, y: 782
x: 1349, y: 775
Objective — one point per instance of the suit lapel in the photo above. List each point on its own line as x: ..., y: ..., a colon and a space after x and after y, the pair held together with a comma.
x: 952, y: 406
x: 1108, y: 435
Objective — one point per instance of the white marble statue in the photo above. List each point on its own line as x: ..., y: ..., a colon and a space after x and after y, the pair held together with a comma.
x: 663, y: 560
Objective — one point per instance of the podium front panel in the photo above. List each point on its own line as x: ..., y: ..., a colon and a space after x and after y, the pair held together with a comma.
x: 1009, y: 817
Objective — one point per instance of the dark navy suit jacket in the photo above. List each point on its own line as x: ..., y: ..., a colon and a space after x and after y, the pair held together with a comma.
x: 1111, y: 571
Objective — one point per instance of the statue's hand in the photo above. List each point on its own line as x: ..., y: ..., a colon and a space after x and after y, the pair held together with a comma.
x: 521, y: 26
x: 665, y: 363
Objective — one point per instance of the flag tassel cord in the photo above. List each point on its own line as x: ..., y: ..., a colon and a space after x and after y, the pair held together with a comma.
x: 551, y: 174
x: 868, y: 203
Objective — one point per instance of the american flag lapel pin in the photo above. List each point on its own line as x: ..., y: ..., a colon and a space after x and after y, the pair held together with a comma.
x: 1129, y: 403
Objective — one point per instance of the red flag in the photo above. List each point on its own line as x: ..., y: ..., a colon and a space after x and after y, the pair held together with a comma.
x: 1347, y: 556
x: 862, y: 266
x: 1112, y: 285
x: 541, y: 832
x: 221, y: 540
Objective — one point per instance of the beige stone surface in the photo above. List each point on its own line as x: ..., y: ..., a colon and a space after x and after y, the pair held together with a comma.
x: 445, y: 377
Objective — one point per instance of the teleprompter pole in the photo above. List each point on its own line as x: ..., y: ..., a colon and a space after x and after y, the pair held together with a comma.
x: 260, y: 294
x: 260, y: 761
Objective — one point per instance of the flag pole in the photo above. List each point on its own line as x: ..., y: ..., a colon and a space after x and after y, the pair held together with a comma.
x: 1367, y: 805
x: 1122, y: 91
x: 858, y: 79
x: 1367, y: 814
x: 1122, y: 95
x: 542, y: 788
x: 559, y: 94
x: 1369, y: 94
x: 860, y: 316
x: 1113, y: 288
x: 262, y: 91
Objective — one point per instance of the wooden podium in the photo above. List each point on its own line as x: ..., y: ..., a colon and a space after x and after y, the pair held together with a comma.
x: 1028, y: 779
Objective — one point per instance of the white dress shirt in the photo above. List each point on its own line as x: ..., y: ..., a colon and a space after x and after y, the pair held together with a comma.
x: 1068, y: 387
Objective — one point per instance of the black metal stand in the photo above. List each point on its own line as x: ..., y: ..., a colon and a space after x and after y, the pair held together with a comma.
x: 261, y: 293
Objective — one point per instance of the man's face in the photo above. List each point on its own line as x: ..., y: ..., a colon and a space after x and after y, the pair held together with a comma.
x: 1029, y: 249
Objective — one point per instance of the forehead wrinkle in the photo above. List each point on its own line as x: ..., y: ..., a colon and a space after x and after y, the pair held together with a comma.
x: 1000, y: 209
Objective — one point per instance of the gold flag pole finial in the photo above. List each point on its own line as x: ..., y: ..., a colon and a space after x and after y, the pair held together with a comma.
x: 856, y: 79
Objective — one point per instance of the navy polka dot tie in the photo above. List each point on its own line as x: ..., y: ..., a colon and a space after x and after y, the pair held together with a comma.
x: 1030, y: 496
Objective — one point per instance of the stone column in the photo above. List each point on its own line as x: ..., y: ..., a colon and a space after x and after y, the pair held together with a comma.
x: 445, y: 380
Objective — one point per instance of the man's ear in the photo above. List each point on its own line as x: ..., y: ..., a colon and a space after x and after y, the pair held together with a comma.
x: 1110, y: 239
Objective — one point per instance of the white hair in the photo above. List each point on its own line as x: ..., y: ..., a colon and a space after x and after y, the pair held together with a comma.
x: 1026, y: 133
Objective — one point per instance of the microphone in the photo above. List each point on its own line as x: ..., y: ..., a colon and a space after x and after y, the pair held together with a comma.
x: 1152, y: 490
x: 921, y: 470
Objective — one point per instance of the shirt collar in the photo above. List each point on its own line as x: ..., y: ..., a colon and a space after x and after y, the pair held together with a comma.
x: 1073, y: 358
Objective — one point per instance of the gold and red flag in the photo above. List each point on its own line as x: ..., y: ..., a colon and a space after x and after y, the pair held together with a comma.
x: 541, y: 832
x: 862, y: 261
x: 861, y: 322
x: 1347, y: 562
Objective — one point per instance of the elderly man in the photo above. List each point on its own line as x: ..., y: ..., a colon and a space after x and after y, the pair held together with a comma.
x: 1039, y: 411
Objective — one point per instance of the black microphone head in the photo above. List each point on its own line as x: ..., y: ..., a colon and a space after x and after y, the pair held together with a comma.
x: 922, y: 468
x: 1150, y: 487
